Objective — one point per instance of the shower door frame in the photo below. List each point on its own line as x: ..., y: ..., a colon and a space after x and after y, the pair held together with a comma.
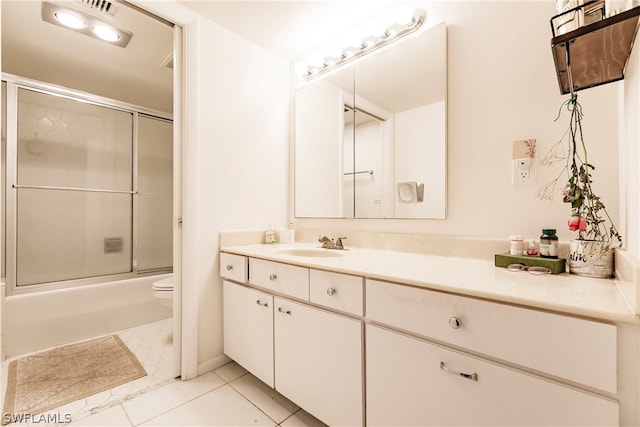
x: 14, y: 84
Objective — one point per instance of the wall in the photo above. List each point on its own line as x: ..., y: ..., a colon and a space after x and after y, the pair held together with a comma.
x: 239, y: 180
x: 502, y: 87
x: 630, y: 154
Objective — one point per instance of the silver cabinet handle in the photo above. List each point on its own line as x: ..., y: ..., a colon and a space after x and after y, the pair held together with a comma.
x: 284, y: 311
x: 331, y: 291
x: 272, y: 277
x: 455, y: 322
x: 264, y: 304
x: 472, y: 377
x: 229, y: 267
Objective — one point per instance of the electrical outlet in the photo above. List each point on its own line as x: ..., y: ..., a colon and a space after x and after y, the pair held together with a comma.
x: 524, y: 171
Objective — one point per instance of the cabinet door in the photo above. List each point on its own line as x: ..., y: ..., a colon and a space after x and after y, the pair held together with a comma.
x: 318, y: 362
x: 415, y: 383
x: 248, y: 329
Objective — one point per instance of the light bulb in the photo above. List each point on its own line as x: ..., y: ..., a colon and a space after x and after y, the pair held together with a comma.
x: 403, y: 15
x: 106, y: 33
x: 70, y: 20
x: 301, y: 68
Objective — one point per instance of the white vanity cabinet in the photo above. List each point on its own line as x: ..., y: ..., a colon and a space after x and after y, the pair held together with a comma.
x: 318, y: 362
x: 415, y: 375
x: 311, y: 355
x: 356, y: 352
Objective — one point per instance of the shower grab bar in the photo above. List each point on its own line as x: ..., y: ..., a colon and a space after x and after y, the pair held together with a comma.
x: 370, y: 172
x: 88, y: 190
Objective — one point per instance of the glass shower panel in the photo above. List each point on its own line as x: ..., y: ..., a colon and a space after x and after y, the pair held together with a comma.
x: 67, y: 143
x: 155, y: 194
x: 74, y: 188
x: 65, y: 235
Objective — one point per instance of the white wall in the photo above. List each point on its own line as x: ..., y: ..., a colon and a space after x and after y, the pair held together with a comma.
x: 630, y: 155
x: 241, y: 175
x: 502, y: 87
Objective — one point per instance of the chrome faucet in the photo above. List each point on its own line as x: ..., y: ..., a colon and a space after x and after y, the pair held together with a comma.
x: 327, y: 243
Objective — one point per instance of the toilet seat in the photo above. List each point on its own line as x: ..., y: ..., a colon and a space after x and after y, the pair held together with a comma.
x: 163, y: 291
x: 164, y: 285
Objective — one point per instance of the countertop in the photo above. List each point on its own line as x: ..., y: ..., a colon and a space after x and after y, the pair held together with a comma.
x: 600, y: 299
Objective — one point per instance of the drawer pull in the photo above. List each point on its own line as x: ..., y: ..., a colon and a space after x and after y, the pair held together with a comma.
x: 284, y: 311
x: 264, y: 304
x: 472, y: 377
x: 455, y: 322
x: 272, y: 277
x: 331, y: 291
x: 229, y: 267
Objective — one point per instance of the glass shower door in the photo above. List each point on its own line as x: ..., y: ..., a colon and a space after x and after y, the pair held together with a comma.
x: 74, y: 189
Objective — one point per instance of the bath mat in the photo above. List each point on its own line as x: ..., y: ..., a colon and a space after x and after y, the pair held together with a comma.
x: 46, y: 380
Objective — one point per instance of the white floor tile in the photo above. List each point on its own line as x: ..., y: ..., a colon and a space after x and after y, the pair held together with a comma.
x: 264, y: 397
x: 302, y: 419
x: 221, y: 407
x: 230, y: 371
x: 114, y: 416
x: 170, y: 396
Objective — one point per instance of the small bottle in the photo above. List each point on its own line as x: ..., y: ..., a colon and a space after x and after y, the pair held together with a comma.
x: 516, y: 245
x: 271, y: 235
x: 532, y: 250
x: 549, y: 243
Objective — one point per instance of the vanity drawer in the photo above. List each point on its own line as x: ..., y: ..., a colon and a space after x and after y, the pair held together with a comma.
x: 338, y: 291
x: 233, y: 267
x: 411, y: 382
x: 579, y: 350
x: 283, y: 278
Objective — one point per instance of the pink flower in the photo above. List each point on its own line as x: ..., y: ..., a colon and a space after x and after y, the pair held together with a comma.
x: 577, y: 223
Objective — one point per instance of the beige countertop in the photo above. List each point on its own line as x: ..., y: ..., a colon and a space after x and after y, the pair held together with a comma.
x: 564, y: 293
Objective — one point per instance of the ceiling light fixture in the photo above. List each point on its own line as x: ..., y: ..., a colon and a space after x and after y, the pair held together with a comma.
x: 365, y: 45
x: 83, y: 23
x: 106, y: 33
x: 70, y: 20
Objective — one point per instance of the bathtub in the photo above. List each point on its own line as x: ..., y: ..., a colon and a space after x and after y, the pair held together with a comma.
x: 36, y: 321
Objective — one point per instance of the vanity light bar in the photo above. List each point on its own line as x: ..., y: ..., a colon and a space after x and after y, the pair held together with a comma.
x: 369, y: 44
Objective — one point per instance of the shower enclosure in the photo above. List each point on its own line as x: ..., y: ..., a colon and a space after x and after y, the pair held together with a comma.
x: 87, y: 188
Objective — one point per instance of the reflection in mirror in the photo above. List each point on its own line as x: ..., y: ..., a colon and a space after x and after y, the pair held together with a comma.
x: 322, y: 122
x: 389, y: 161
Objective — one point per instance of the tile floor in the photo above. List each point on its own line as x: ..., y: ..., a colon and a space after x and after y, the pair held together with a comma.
x: 228, y: 396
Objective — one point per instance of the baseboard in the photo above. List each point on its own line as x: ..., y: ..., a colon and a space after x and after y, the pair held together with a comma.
x: 213, y: 363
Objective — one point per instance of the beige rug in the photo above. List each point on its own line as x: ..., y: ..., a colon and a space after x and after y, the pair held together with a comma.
x: 46, y: 380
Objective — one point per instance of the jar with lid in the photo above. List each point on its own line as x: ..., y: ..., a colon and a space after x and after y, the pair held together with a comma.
x: 516, y: 245
x: 549, y: 243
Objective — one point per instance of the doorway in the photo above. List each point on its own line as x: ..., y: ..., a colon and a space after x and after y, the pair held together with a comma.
x: 35, y: 49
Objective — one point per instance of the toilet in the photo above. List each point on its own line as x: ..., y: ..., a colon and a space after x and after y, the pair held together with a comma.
x: 163, y: 291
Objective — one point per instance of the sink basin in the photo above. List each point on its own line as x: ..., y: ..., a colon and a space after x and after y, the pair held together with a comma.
x: 311, y: 252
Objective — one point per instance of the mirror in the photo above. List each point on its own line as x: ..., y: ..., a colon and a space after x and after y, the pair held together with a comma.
x: 370, y: 140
